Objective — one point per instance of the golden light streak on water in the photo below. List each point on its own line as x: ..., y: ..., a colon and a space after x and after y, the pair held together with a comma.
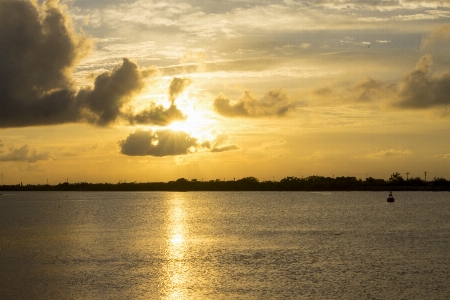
x: 177, y: 273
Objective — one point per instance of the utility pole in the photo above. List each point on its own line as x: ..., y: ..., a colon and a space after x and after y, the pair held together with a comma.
x: 425, y: 176
x: 407, y: 173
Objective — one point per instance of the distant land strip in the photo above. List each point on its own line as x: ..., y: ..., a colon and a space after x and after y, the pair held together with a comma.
x: 311, y: 183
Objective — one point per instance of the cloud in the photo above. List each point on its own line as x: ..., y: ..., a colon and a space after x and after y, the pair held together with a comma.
x: 225, y: 148
x: 273, y: 103
x: 167, y: 142
x: 177, y: 86
x: 158, y: 143
x: 273, y: 144
x: 218, y: 144
x: 323, y: 92
x: 198, y: 58
x: 417, y: 89
x: 420, y: 89
x: 39, y: 50
x: 158, y: 115
x: 112, y: 91
x: 439, y: 34
x: 24, y: 153
x: 391, y: 153
x: 367, y: 89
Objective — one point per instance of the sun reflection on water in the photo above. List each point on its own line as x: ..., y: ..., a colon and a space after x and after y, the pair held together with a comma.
x: 177, y: 267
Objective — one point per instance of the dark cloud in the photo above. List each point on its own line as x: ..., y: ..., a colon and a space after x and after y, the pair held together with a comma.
x: 158, y: 143
x: 158, y: 115
x: 177, y: 86
x: 24, y: 153
x: 39, y: 49
x: 420, y: 89
x: 169, y: 143
x: 273, y: 103
x: 112, y: 91
x: 37, y: 53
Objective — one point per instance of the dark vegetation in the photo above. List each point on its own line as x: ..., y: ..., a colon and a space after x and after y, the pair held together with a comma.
x: 311, y: 183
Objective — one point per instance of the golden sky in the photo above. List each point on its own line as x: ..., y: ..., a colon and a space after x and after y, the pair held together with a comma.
x: 141, y: 90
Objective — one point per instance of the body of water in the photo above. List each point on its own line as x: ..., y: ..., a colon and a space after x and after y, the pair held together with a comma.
x: 224, y: 245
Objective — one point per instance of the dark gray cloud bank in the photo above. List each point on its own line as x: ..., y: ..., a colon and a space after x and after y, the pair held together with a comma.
x: 38, y: 51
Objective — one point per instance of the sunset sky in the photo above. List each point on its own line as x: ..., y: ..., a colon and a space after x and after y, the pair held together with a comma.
x: 141, y: 90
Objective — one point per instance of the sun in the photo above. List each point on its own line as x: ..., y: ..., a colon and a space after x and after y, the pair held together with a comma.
x: 178, y: 126
x: 197, y: 123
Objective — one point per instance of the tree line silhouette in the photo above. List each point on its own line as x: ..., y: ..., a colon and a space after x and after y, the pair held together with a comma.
x: 291, y: 183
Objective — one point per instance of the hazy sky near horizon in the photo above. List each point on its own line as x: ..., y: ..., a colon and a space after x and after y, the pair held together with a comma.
x: 115, y: 90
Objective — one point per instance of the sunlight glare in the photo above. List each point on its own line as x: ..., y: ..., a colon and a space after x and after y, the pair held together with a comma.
x: 197, y: 123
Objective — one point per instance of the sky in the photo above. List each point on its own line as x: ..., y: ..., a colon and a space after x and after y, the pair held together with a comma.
x: 140, y: 90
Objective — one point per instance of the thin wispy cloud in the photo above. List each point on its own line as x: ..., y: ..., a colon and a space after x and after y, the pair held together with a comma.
x: 390, y: 153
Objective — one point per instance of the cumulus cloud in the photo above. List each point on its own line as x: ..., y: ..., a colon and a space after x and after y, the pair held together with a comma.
x: 166, y: 142
x: 37, y: 54
x: 420, y: 89
x: 158, y: 143
x: 273, y: 103
x: 39, y: 49
x: 24, y: 153
x: 439, y: 34
x: 158, y: 115
x: 112, y: 91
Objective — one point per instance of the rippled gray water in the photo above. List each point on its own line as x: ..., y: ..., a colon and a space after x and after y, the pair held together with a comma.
x: 224, y: 245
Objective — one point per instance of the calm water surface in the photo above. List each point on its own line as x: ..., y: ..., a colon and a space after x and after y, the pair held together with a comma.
x: 224, y: 245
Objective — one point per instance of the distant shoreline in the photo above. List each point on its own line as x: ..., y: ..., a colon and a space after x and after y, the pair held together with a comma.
x: 312, y: 183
